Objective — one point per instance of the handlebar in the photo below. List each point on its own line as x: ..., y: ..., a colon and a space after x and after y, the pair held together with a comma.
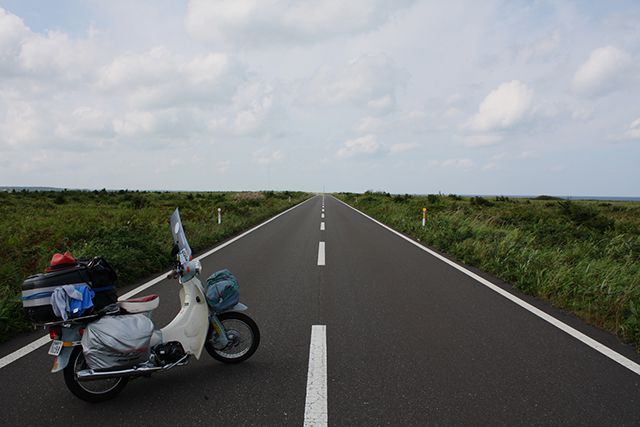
x: 185, y: 271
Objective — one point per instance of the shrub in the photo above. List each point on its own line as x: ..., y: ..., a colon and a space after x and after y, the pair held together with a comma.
x: 584, y: 215
x: 480, y: 201
x: 433, y: 198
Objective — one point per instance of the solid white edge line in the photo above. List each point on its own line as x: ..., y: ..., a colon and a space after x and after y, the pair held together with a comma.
x: 322, y: 226
x: 315, y: 407
x: 599, y: 347
x: 23, y: 351
x: 34, y: 345
x: 321, y: 253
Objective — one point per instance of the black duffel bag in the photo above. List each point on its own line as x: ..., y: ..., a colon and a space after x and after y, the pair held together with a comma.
x: 102, y: 279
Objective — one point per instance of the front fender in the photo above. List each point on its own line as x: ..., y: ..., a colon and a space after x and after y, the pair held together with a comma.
x: 62, y: 360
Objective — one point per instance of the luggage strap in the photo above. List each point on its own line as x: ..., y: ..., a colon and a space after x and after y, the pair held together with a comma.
x: 38, y: 295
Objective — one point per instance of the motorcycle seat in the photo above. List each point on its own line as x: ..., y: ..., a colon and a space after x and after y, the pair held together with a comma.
x: 141, y: 304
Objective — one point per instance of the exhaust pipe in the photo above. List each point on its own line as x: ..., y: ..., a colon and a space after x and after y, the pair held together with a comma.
x: 91, y: 375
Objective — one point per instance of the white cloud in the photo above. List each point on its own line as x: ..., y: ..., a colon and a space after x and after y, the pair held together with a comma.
x: 135, y: 92
x: 140, y: 123
x: 403, y: 147
x: 457, y: 163
x: 494, y: 162
x: 131, y: 70
x: 86, y: 122
x: 527, y: 155
x: 382, y: 104
x: 223, y: 166
x: 251, y: 23
x: 359, y: 147
x: 634, y: 130
x: 53, y: 56
x: 369, y: 81
x: 12, y: 34
x: 542, y: 48
x: 34, y: 161
x: 73, y: 92
x: 159, y: 78
x: 503, y: 108
x: 582, y: 113
x: 160, y: 125
x: 266, y: 157
x: 56, y: 53
x: 414, y: 121
x: 370, y: 124
x: 481, y: 140
x: 23, y: 124
x: 417, y: 115
x: 254, y: 104
x: 602, y: 72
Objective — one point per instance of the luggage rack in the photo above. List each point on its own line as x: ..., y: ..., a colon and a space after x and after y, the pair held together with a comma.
x: 108, y: 310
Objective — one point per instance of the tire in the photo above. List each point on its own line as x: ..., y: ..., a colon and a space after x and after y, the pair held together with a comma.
x: 241, y: 348
x: 90, y: 391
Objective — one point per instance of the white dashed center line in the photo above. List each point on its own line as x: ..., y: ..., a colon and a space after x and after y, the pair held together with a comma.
x: 315, y: 408
x: 322, y: 226
x: 321, y: 253
x: 321, y: 215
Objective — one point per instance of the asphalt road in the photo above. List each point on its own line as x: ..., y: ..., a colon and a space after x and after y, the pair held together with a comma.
x: 410, y: 341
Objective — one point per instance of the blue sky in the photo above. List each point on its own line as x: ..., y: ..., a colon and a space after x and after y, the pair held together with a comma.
x: 495, y: 97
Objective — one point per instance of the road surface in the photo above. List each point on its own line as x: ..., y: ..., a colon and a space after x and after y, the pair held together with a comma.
x: 410, y: 340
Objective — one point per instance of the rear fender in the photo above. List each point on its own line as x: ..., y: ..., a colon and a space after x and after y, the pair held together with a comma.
x: 62, y: 360
x: 71, y: 337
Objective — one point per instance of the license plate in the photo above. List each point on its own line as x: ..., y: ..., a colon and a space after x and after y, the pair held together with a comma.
x: 56, y: 348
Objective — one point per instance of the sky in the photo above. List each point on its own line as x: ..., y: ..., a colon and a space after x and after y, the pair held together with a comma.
x: 404, y: 96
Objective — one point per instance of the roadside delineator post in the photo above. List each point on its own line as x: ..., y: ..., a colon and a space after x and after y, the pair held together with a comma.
x: 219, y: 216
x: 424, y: 216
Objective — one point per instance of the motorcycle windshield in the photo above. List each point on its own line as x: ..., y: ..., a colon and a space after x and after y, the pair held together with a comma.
x: 179, y: 238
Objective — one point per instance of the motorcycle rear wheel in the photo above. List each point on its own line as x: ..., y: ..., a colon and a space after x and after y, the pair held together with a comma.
x: 243, y: 334
x: 90, y: 391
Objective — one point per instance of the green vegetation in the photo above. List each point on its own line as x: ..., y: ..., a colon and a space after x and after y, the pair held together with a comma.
x: 583, y: 256
x: 130, y: 229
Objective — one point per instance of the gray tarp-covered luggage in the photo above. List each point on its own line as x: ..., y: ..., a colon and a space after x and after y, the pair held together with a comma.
x: 117, y: 341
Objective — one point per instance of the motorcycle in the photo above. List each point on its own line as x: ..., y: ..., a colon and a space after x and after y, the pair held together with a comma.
x: 228, y: 335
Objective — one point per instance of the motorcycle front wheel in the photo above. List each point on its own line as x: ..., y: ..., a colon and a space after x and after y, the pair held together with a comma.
x: 91, y: 391
x: 243, y: 335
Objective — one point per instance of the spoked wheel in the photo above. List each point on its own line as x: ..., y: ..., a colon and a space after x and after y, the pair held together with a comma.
x: 243, y: 335
x: 91, y: 391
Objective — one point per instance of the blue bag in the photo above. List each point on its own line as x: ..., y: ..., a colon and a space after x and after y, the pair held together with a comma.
x: 223, y: 291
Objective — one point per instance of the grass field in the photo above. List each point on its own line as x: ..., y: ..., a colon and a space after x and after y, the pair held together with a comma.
x: 129, y: 229
x: 583, y: 256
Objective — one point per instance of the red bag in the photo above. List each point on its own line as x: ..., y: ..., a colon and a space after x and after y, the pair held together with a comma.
x: 59, y: 261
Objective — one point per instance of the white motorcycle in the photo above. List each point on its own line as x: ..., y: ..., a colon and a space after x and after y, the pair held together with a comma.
x: 229, y: 336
